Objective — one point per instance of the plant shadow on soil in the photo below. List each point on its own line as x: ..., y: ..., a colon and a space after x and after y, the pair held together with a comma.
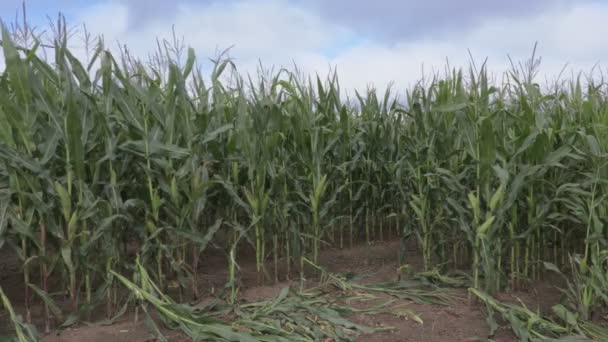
x: 460, y: 321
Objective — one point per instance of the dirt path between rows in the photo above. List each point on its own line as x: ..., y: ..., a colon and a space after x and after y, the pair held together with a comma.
x: 458, y: 322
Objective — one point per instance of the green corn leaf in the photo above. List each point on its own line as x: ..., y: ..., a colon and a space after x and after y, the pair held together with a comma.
x: 202, y: 241
x: 454, y: 107
x: 483, y: 229
x: 25, y: 333
x: 189, y: 63
x: 66, y: 255
x: 475, y: 205
x: 66, y: 202
x: 4, y: 217
x: 72, y: 226
x: 46, y: 298
x: 497, y: 198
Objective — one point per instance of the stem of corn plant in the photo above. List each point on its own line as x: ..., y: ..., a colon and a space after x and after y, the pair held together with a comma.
x: 591, y: 209
x: 367, y: 219
x: 275, y: 244
x: 26, y: 272
x: 44, y: 276
x: 514, y: 246
x: 26, y: 280
x: 232, y: 275
x: 288, y: 253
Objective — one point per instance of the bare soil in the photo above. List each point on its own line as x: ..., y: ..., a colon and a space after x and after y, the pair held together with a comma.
x: 459, y: 322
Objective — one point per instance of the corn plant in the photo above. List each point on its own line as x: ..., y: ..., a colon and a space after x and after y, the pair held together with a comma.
x: 114, y: 159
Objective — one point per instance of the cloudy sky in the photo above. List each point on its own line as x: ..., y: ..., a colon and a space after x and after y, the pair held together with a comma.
x: 370, y: 42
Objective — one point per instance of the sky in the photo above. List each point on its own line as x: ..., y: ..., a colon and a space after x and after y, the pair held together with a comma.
x: 369, y: 42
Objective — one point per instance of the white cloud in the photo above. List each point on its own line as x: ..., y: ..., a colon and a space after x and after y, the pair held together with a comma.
x: 270, y: 31
x: 573, y: 37
x: 278, y: 33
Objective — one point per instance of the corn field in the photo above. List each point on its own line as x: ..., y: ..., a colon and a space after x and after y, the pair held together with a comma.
x: 112, y: 162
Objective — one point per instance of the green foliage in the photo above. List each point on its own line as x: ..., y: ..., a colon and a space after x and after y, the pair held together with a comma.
x: 115, y: 158
x: 306, y: 316
x: 533, y: 326
x: 23, y: 331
